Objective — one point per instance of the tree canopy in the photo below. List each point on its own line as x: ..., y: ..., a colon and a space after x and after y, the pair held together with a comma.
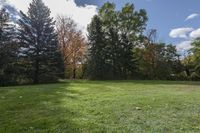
x: 118, y: 46
x: 39, y: 45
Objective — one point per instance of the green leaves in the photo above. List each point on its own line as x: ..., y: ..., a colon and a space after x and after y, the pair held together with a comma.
x: 112, y: 41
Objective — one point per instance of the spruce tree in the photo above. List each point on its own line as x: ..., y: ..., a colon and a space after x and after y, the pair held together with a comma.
x: 39, y: 44
x: 8, y: 49
x: 97, y: 67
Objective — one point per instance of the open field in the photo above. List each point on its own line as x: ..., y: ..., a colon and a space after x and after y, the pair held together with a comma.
x: 101, y: 106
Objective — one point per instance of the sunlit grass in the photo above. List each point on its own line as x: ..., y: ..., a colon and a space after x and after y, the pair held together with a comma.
x: 101, y: 106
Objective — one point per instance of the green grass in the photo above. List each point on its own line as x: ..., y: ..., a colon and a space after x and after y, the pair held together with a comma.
x: 101, y: 106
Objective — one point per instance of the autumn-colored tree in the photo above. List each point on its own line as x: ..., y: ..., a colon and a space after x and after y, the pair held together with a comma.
x: 158, y: 60
x: 72, y: 45
x: 149, y: 53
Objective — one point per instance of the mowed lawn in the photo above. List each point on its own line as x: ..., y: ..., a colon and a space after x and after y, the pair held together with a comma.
x: 101, y: 106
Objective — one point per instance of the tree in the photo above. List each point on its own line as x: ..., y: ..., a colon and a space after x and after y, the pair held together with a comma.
x: 72, y: 45
x: 193, y: 65
x: 114, y: 35
x: 159, y: 61
x: 97, y: 65
x: 148, y: 54
x: 196, y: 48
x: 39, y: 46
x: 8, y: 50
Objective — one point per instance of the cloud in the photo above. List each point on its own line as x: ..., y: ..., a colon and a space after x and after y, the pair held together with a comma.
x: 180, y: 32
x: 80, y: 14
x: 14, y: 14
x: 192, y: 16
x: 195, y: 34
x: 188, y: 34
x: 184, y: 46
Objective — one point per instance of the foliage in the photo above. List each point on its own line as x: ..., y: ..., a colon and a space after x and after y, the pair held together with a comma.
x: 112, y: 37
x: 159, y: 61
x: 97, y: 65
x: 43, y: 50
x: 73, y: 46
x: 193, y: 64
x: 8, y: 50
x: 40, y: 54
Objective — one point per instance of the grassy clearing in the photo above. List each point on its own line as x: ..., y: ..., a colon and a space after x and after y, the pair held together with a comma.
x: 110, y: 106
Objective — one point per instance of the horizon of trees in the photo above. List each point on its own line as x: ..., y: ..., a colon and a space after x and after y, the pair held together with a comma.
x: 39, y: 49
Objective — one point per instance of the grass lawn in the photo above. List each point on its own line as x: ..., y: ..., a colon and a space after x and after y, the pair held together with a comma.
x: 101, y: 106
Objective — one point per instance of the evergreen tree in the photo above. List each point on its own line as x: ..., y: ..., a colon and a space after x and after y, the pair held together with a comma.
x: 8, y: 50
x: 39, y: 47
x: 97, y: 67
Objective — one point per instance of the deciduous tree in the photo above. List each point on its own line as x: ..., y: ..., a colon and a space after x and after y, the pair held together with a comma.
x: 72, y: 44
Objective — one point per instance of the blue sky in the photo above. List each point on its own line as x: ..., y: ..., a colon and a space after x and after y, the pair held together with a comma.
x: 164, y: 15
x: 167, y: 16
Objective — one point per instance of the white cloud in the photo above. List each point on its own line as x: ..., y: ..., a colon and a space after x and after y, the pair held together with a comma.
x: 192, y: 16
x: 81, y: 14
x: 180, y: 32
x: 184, y: 46
x: 195, y: 34
x: 188, y: 35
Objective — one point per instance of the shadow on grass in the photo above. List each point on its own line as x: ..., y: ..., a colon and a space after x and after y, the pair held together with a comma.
x: 52, y: 107
x: 163, y: 82
x: 38, y: 108
x: 144, y: 82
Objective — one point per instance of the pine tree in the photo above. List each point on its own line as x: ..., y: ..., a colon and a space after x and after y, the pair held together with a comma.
x: 97, y: 67
x: 39, y: 45
x: 8, y: 49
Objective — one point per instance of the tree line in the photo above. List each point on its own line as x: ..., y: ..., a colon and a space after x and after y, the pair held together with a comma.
x: 118, y: 48
x: 39, y: 49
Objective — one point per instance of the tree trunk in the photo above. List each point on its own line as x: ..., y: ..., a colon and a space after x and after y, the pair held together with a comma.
x: 36, y: 73
x: 74, y: 73
x: 74, y: 68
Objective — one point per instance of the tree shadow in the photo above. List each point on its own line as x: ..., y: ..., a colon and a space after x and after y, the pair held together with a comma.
x: 149, y: 82
x: 165, y: 82
x: 48, y: 108
x: 144, y: 82
x: 38, y: 108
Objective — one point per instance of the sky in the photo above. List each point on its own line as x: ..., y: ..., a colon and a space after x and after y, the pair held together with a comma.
x: 177, y: 21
